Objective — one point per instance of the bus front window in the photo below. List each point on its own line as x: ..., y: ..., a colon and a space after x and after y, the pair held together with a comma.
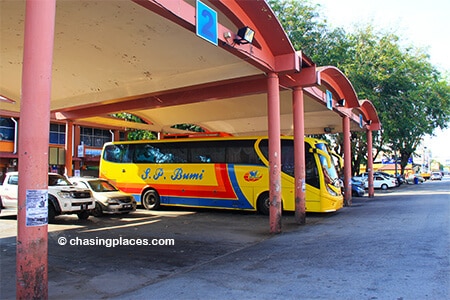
x: 329, y: 169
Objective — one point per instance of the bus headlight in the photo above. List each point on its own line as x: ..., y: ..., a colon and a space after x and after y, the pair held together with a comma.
x: 331, y: 191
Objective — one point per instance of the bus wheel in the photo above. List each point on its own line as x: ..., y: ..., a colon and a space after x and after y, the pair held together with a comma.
x: 263, y: 204
x: 150, y: 200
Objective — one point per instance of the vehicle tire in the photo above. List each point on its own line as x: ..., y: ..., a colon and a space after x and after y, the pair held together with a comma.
x: 150, y: 200
x: 98, y: 210
x: 51, y: 213
x: 384, y: 187
x: 263, y: 204
x: 83, y: 215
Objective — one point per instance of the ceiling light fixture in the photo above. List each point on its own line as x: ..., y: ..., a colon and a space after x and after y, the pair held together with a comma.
x: 341, y: 103
x: 244, y: 36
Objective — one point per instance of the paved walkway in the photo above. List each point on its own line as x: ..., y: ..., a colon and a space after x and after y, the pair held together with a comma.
x: 395, y: 246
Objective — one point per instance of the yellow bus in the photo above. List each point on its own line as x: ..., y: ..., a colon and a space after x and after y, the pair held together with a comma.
x: 223, y: 172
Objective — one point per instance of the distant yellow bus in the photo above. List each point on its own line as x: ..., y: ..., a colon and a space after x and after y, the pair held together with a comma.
x: 223, y: 172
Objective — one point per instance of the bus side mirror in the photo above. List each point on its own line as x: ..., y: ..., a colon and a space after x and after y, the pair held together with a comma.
x: 324, y: 154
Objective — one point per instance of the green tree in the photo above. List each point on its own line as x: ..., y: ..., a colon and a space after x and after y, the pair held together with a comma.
x: 135, y: 134
x: 188, y: 127
x: 309, y: 32
x: 410, y: 95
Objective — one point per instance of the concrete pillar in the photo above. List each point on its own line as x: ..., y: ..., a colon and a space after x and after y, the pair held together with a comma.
x: 32, y: 234
x: 370, y: 163
x: 77, y: 142
x: 347, y: 162
x: 68, y: 148
x: 273, y: 98
x: 299, y: 152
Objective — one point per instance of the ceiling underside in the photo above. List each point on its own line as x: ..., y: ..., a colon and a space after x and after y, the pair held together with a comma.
x: 246, y: 115
x: 118, y: 56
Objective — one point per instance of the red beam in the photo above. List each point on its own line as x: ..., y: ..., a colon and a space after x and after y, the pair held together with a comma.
x: 183, y: 14
x: 229, y: 89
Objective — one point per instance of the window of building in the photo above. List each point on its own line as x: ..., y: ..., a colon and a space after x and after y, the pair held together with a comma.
x: 94, y: 137
x: 57, y: 134
x: 6, y: 129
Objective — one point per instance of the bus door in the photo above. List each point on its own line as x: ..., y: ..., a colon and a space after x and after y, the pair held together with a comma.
x: 312, y: 176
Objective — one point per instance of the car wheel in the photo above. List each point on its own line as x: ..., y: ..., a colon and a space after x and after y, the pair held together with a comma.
x: 384, y: 187
x: 98, y: 210
x: 263, y: 204
x: 151, y: 200
x: 83, y: 215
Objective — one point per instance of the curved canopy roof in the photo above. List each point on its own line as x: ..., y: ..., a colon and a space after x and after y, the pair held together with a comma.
x: 144, y: 57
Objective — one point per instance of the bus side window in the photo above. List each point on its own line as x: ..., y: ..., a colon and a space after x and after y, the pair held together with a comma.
x: 241, y: 152
x: 126, y: 154
x: 312, y: 174
x: 178, y: 154
x: 287, y: 157
x: 144, y: 153
x: 113, y: 153
x: 235, y: 155
x: 208, y: 153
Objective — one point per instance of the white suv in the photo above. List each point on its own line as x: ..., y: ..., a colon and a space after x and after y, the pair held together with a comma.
x: 63, y: 196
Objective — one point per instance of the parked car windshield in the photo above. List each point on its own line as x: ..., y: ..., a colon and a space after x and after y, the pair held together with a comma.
x: 59, y: 180
x: 100, y: 186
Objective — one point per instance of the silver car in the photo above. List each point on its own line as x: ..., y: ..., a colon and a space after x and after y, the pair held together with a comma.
x: 436, y: 176
x: 108, y: 199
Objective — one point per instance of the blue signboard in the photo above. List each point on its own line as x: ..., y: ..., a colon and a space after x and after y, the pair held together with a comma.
x: 206, y: 19
x: 360, y: 121
x: 329, y: 100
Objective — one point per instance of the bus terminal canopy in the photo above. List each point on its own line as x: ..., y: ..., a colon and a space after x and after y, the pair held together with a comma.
x: 144, y: 57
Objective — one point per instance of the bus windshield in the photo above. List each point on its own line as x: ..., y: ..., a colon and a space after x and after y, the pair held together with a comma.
x: 328, y: 167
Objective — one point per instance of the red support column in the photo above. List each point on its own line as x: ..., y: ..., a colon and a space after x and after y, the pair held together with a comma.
x: 299, y: 152
x: 32, y: 234
x: 273, y: 97
x: 370, y: 163
x: 68, y: 148
x: 116, y: 135
x: 347, y: 162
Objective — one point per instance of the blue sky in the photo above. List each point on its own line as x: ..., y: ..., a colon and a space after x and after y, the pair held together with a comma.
x: 424, y: 24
